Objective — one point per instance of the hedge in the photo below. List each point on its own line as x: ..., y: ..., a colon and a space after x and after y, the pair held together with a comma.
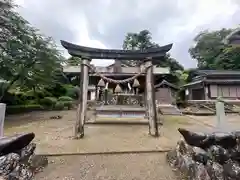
x: 48, y: 102
x: 15, y: 109
x: 59, y: 105
x: 65, y: 98
x: 68, y: 104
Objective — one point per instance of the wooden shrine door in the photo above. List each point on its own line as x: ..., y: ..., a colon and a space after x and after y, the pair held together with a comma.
x: 163, y: 96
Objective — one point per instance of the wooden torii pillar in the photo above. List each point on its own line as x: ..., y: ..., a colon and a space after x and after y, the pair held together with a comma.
x: 150, y: 100
x: 82, y: 103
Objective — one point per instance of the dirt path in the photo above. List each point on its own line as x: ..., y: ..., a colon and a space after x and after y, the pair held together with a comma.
x: 231, y: 123
x: 55, y: 136
x: 109, y: 167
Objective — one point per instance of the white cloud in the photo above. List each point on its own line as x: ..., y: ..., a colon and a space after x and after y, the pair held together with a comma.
x: 104, y: 23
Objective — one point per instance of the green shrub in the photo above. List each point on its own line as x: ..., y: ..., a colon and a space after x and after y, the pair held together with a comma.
x: 25, y: 96
x: 65, y: 98
x: 31, y: 102
x: 21, y: 98
x: 10, y: 99
x: 57, y: 90
x: 48, y: 101
x: 15, y: 109
x: 68, y: 104
x: 59, y: 105
x: 17, y: 98
x: 38, y: 94
x: 72, y: 91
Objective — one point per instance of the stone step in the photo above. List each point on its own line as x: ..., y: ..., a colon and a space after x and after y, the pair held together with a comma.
x: 132, y: 121
x: 169, y: 109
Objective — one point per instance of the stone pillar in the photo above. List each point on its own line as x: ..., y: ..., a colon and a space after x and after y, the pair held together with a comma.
x: 221, y: 116
x: 105, y: 96
x: 96, y: 93
x: 2, y: 118
x: 150, y: 100
x: 82, y: 106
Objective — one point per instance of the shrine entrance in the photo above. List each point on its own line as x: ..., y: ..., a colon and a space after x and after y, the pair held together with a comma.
x: 124, y: 98
x: 120, y: 99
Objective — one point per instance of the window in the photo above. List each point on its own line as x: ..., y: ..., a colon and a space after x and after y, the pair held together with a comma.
x: 228, y: 91
x: 225, y: 91
x: 233, y: 91
x: 214, y: 90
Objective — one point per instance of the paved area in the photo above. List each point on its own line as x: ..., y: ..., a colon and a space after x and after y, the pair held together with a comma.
x: 109, y: 167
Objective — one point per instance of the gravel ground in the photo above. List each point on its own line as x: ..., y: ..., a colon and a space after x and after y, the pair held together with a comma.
x: 231, y: 122
x: 55, y: 135
x: 108, y: 167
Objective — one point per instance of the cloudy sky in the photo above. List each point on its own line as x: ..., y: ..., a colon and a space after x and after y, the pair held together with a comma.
x: 104, y: 23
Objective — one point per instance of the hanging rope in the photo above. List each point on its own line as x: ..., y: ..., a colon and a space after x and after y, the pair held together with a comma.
x: 110, y: 80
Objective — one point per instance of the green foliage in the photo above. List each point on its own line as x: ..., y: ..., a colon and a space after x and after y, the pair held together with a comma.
x: 38, y: 94
x: 229, y: 59
x: 211, y: 52
x: 9, y: 99
x: 31, y: 102
x: 68, y: 104
x: 57, y: 90
x: 17, y: 98
x: 74, y: 61
x: 23, y: 108
x: 59, y: 105
x: 72, y: 91
x: 182, y: 76
x: 65, y: 98
x: 143, y: 40
x: 30, y: 65
x: 27, y: 58
x: 48, y: 101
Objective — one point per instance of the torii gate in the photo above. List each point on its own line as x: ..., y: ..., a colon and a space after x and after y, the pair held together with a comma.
x: 144, y: 56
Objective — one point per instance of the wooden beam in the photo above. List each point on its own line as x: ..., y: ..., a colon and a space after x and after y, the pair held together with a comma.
x: 117, y: 54
x: 150, y: 101
x: 82, y: 104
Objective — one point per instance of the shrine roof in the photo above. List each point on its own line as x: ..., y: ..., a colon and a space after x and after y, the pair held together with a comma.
x: 164, y: 82
x: 216, y: 72
x: 233, y: 37
x: 96, y: 53
x: 213, y: 77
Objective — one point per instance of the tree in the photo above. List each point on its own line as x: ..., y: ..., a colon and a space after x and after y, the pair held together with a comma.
x: 228, y: 59
x: 139, y: 41
x: 143, y: 40
x: 170, y: 62
x: 211, y: 52
x: 27, y: 58
x: 74, y: 61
